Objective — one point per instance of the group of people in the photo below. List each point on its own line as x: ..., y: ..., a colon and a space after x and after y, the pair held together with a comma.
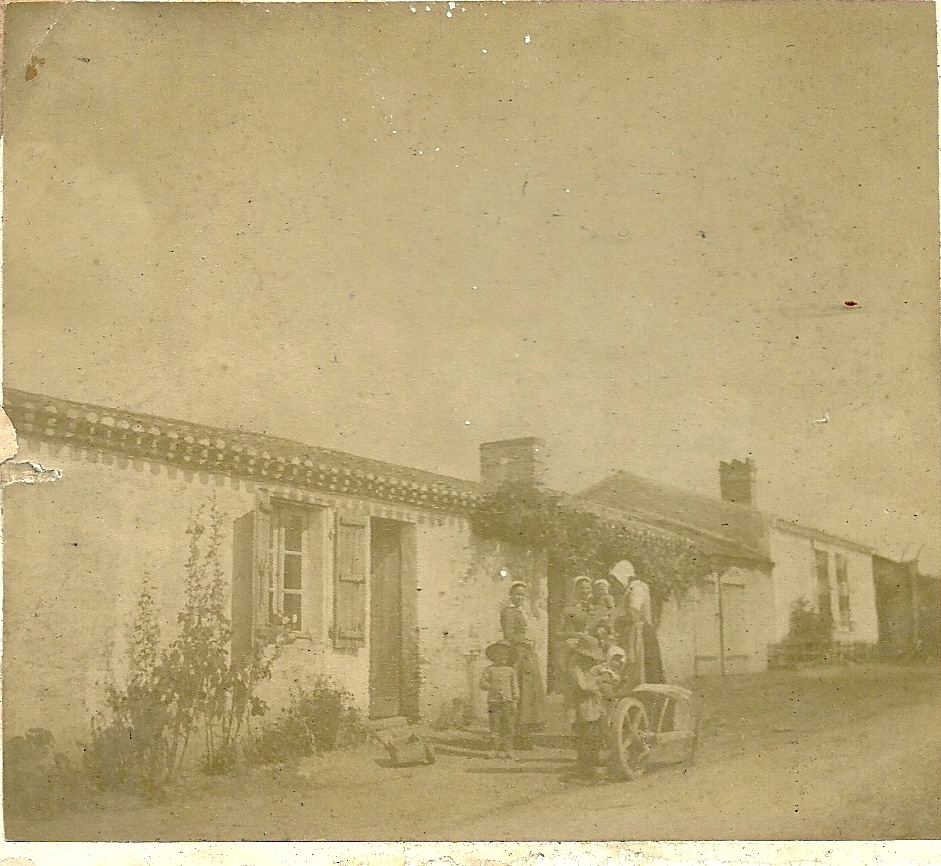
x: 591, y: 612
x: 607, y: 645
x: 611, y: 648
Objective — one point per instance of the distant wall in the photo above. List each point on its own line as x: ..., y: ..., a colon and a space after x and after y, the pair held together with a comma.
x: 759, y: 607
x: 795, y: 576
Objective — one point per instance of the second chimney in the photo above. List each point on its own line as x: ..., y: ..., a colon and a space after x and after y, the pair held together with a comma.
x: 519, y: 462
x: 737, y: 481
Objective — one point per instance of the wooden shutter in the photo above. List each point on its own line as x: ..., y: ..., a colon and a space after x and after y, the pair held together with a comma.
x: 251, y: 565
x: 262, y: 558
x: 243, y: 577
x: 349, y: 588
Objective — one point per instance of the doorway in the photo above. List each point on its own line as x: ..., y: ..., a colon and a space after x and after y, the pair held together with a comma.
x: 388, y: 676
x: 720, y: 628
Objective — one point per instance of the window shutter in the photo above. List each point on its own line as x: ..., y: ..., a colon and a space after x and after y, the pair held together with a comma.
x: 243, y: 578
x: 262, y: 559
x: 349, y: 591
x: 251, y: 566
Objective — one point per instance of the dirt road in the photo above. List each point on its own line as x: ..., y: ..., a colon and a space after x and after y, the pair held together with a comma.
x: 876, y: 779
x: 835, y: 754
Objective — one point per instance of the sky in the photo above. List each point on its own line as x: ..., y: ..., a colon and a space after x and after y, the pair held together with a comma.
x: 401, y: 231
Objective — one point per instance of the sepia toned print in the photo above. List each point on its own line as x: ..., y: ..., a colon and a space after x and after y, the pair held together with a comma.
x: 471, y: 422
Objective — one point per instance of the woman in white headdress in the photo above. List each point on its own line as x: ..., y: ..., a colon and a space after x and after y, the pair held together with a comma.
x: 637, y: 633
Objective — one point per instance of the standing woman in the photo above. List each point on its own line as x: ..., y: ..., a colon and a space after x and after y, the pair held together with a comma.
x: 637, y: 632
x: 531, y: 713
x: 573, y: 621
x: 576, y: 614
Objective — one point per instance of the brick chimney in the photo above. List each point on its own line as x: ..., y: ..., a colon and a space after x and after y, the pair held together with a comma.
x: 737, y: 481
x: 513, y: 461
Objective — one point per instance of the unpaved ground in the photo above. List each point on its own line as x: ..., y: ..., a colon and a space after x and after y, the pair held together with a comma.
x: 822, y: 754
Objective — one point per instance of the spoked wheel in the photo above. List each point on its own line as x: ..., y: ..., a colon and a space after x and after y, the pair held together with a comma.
x: 627, y: 730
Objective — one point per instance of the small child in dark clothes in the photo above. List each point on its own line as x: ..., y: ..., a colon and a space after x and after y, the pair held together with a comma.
x: 589, y: 709
x: 502, y: 686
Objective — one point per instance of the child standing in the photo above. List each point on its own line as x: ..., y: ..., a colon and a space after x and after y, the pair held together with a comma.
x: 588, y: 704
x: 500, y: 682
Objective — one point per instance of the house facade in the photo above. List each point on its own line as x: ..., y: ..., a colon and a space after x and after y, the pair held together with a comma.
x: 764, y: 566
x: 385, y: 587
x: 375, y: 567
x: 833, y: 574
x: 721, y: 625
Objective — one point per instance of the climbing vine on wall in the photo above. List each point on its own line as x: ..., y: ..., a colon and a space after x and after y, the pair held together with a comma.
x: 579, y: 541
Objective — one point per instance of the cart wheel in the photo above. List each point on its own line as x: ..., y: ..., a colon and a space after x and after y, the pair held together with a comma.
x: 627, y: 732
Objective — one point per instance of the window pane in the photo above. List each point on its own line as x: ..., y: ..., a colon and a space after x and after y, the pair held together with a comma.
x: 292, y: 570
x: 292, y: 609
x: 292, y: 531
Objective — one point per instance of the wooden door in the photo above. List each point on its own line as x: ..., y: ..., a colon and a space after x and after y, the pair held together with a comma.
x: 734, y: 653
x: 708, y: 624
x: 385, y: 620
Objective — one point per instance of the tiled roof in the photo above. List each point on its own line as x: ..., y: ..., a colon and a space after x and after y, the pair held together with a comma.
x: 245, y: 455
x: 662, y: 529
x: 722, y: 528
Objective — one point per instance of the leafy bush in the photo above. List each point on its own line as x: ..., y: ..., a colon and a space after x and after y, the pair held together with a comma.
x: 810, y: 637
x: 318, y: 719
x: 192, y: 686
x: 37, y: 780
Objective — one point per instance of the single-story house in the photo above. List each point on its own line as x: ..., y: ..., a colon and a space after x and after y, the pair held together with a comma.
x: 721, y: 627
x: 387, y: 590
x: 833, y: 574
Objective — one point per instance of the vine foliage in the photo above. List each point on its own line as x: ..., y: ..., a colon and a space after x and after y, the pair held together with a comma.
x: 580, y: 541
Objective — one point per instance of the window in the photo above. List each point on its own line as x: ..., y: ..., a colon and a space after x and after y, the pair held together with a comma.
x: 824, y: 605
x: 843, y: 590
x: 280, y: 569
x: 285, y: 591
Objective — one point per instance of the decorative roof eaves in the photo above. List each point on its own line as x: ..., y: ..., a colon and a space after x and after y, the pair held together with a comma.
x: 207, y: 449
